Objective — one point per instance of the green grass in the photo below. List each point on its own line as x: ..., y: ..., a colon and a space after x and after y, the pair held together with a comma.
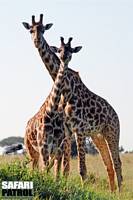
x: 14, y: 168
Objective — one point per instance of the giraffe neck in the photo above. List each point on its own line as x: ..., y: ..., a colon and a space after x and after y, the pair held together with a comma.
x: 49, y: 58
x: 56, y: 91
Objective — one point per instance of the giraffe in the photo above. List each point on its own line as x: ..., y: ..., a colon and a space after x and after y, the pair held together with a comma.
x: 86, y: 114
x: 42, y: 130
x: 31, y: 132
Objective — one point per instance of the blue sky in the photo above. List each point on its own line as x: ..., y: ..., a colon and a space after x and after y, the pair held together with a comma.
x: 105, y: 63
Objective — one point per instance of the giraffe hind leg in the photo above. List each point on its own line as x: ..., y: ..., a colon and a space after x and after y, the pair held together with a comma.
x: 102, y: 146
x: 113, y: 143
x: 32, y: 153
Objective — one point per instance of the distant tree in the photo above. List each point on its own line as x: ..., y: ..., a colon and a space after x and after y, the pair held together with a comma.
x: 11, y: 140
x: 121, y: 149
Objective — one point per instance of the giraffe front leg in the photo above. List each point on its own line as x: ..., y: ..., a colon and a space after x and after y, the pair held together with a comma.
x: 44, y: 156
x: 51, y: 163
x: 57, y: 163
x: 80, y: 140
x: 66, y: 156
x: 66, y: 150
x: 66, y: 162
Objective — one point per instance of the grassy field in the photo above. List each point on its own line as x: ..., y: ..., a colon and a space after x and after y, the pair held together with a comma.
x: 14, y: 168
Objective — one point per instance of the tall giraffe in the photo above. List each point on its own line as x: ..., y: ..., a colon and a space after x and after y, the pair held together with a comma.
x: 43, y: 134
x: 86, y: 114
x: 31, y: 129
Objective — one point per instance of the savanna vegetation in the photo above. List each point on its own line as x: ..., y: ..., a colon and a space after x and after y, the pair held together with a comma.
x: 15, y: 168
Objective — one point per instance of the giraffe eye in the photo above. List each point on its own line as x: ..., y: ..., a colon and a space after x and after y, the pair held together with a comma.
x: 31, y: 31
x: 59, y: 50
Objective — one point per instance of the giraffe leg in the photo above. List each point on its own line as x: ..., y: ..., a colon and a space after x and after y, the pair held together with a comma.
x: 51, y: 163
x: 44, y: 156
x: 42, y: 142
x: 66, y: 156
x: 57, y: 163
x: 32, y: 153
x: 66, y: 151
x: 102, y: 146
x: 62, y: 153
x: 113, y: 143
x: 80, y: 140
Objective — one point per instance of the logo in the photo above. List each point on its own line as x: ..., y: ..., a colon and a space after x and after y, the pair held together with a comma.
x: 17, y: 188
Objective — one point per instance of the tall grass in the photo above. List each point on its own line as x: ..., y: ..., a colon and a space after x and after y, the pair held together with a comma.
x: 14, y: 168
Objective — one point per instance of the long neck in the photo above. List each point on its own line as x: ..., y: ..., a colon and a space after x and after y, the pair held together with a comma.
x: 49, y: 58
x: 56, y: 91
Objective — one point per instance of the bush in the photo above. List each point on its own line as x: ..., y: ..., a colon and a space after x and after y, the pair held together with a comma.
x: 45, y: 187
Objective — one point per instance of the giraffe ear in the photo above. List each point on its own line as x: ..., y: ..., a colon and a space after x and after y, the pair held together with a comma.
x: 48, y: 26
x: 26, y: 25
x: 76, y: 49
x: 54, y: 49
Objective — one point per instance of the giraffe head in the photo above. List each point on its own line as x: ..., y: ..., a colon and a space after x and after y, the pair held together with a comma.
x: 65, y: 50
x: 37, y: 30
